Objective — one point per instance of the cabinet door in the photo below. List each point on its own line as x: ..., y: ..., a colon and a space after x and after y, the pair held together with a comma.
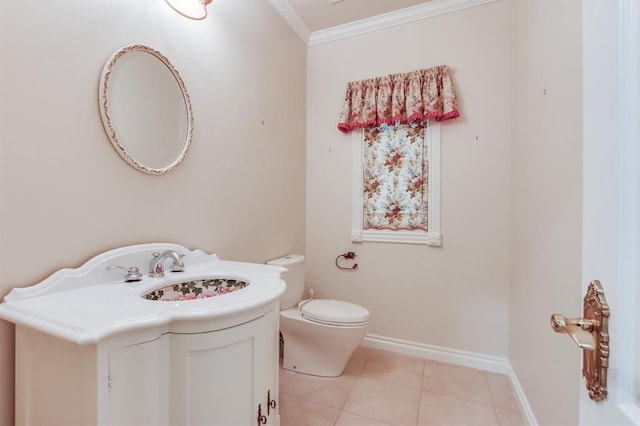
x: 138, y: 384
x: 217, y: 378
x: 271, y: 362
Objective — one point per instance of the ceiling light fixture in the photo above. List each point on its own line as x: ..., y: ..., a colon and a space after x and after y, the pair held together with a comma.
x: 192, y: 9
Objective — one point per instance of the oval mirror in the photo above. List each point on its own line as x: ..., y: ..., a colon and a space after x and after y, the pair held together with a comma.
x: 145, y: 109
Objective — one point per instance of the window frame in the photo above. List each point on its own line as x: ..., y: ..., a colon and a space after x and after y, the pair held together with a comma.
x: 432, y: 237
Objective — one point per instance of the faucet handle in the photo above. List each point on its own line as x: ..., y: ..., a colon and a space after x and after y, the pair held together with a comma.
x: 133, y: 273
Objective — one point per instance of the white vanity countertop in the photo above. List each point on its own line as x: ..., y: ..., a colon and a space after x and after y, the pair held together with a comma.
x: 87, y: 314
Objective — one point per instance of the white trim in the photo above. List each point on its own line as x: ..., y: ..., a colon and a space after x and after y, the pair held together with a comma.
x: 283, y: 7
x: 432, y: 238
x: 611, y: 193
x: 527, y: 411
x: 399, y: 17
x: 435, y: 150
x: 631, y: 410
x: 629, y: 160
x: 494, y: 364
x: 356, y: 186
x: 491, y: 363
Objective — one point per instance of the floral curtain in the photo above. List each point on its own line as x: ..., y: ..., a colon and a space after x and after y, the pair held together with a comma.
x: 404, y: 98
x: 395, y: 177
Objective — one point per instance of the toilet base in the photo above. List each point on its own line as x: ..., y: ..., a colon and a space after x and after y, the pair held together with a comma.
x: 317, y: 349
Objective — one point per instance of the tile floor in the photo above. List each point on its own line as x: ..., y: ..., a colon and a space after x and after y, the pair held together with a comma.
x: 384, y: 388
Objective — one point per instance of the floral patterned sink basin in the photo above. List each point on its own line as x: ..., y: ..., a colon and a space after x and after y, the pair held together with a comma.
x: 197, y: 289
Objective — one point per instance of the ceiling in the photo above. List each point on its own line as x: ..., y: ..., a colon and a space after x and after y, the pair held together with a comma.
x: 322, y: 14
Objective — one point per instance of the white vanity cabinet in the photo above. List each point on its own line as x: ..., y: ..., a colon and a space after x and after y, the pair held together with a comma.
x: 93, y: 349
x: 225, y: 377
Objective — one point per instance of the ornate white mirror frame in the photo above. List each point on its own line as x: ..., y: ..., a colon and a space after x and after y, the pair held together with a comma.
x: 129, y: 141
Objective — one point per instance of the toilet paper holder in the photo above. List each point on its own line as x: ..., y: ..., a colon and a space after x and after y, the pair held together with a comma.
x: 350, y: 255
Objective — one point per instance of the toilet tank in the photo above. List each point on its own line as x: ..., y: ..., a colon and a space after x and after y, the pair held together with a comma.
x: 294, y: 278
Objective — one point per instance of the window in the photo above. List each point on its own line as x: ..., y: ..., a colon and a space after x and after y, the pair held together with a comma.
x: 393, y: 202
x: 396, y: 184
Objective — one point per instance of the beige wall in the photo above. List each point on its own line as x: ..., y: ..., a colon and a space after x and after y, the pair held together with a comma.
x: 546, y: 202
x: 66, y: 195
x: 455, y: 296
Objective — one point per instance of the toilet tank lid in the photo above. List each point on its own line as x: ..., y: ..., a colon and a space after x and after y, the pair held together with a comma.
x: 288, y: 261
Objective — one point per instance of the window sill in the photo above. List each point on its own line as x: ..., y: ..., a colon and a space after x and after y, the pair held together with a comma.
x: 433, y: 239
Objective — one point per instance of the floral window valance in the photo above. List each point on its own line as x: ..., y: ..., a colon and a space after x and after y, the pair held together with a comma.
x: 399, y: 98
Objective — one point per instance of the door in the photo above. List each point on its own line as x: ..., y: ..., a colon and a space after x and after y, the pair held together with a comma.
x: 611, y: 197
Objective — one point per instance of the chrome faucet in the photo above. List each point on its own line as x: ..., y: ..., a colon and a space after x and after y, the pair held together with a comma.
x: 156, y: 266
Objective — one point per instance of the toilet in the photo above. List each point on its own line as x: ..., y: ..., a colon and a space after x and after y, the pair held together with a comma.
x: 319, y: 335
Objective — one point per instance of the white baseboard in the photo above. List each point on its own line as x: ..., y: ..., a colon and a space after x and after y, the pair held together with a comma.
x: 494, y: 364
x: 491, y: 363
x: 527, y: 412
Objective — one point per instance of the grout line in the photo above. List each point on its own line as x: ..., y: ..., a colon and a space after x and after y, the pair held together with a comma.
x: 422, y: 391
x: 493, y: 398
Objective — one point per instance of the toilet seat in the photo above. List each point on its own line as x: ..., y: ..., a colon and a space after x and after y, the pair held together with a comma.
x: 334, y: 312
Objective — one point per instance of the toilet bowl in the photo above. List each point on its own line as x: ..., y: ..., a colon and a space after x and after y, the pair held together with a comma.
x: 319, y: 335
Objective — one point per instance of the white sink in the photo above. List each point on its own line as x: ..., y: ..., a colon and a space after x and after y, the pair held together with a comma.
x: 197, y: 289
x: 89, y: 303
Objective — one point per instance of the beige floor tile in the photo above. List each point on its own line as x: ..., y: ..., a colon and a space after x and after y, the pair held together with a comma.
x: 384, y: 402
x: 296, y: 411
x: 350, y: 419
x: 358, y: 360
x: 446, y: 411
x: 394, y: 368
x: 502, y: 392
x: 382, y: 388
x: 457, y: 382
x: 331, y: 391
x: 509, y: 417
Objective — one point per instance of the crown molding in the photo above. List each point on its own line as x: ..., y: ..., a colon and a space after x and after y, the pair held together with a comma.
x: 292, y: 18
x: 399, y: 17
